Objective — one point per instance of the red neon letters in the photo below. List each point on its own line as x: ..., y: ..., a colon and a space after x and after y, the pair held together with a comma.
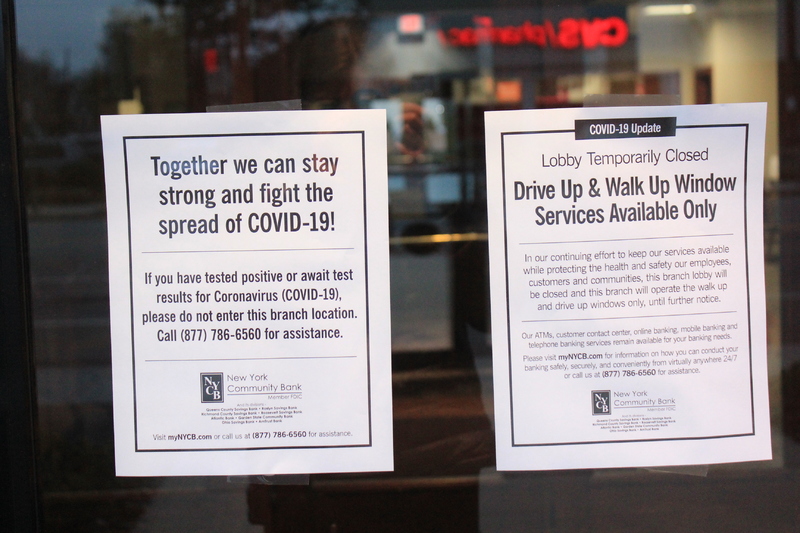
x: 571, y: 33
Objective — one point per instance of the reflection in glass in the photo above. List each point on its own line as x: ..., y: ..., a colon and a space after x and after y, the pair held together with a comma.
x: 435, y: 78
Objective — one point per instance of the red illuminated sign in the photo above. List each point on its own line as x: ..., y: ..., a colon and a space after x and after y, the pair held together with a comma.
x: 210, y: 60
x: 569, y: 33
x: 411, y: 23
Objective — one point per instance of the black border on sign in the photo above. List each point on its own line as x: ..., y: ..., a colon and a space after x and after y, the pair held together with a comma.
x: 362, y: 134
x: 508, y: 310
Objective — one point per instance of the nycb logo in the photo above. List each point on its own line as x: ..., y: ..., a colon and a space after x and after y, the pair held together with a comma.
x: 601, y: 402
x: 211, y: 387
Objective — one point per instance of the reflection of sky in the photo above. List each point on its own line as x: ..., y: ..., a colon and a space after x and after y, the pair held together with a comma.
x: 64, y: 28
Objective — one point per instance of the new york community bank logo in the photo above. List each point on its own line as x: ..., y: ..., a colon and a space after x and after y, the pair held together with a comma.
x: 211, y: 387
x: 601, y: 402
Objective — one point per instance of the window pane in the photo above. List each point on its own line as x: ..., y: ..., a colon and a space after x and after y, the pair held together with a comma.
x: 425, y: 64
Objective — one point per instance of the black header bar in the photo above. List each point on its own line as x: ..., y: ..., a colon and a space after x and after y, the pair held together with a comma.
x: 624, y: 128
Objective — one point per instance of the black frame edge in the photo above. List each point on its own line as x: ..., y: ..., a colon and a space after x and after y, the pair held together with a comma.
x: 20, y: 504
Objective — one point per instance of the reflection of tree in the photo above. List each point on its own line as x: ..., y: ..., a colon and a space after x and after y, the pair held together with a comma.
x: 58, y: 120
x: 44, y: 92
x: 267, y: 50
x: 260, y: 51
x: 145, y: 50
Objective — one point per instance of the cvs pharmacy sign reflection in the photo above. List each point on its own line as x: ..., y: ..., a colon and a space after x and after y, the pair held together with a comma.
x: 568, y: 33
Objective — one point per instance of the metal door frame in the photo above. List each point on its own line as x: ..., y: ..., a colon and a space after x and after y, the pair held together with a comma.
x: 19, y: 504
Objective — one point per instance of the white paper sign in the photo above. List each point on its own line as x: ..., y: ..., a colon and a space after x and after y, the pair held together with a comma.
x: 248, y: 259
x: 627, y: 286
